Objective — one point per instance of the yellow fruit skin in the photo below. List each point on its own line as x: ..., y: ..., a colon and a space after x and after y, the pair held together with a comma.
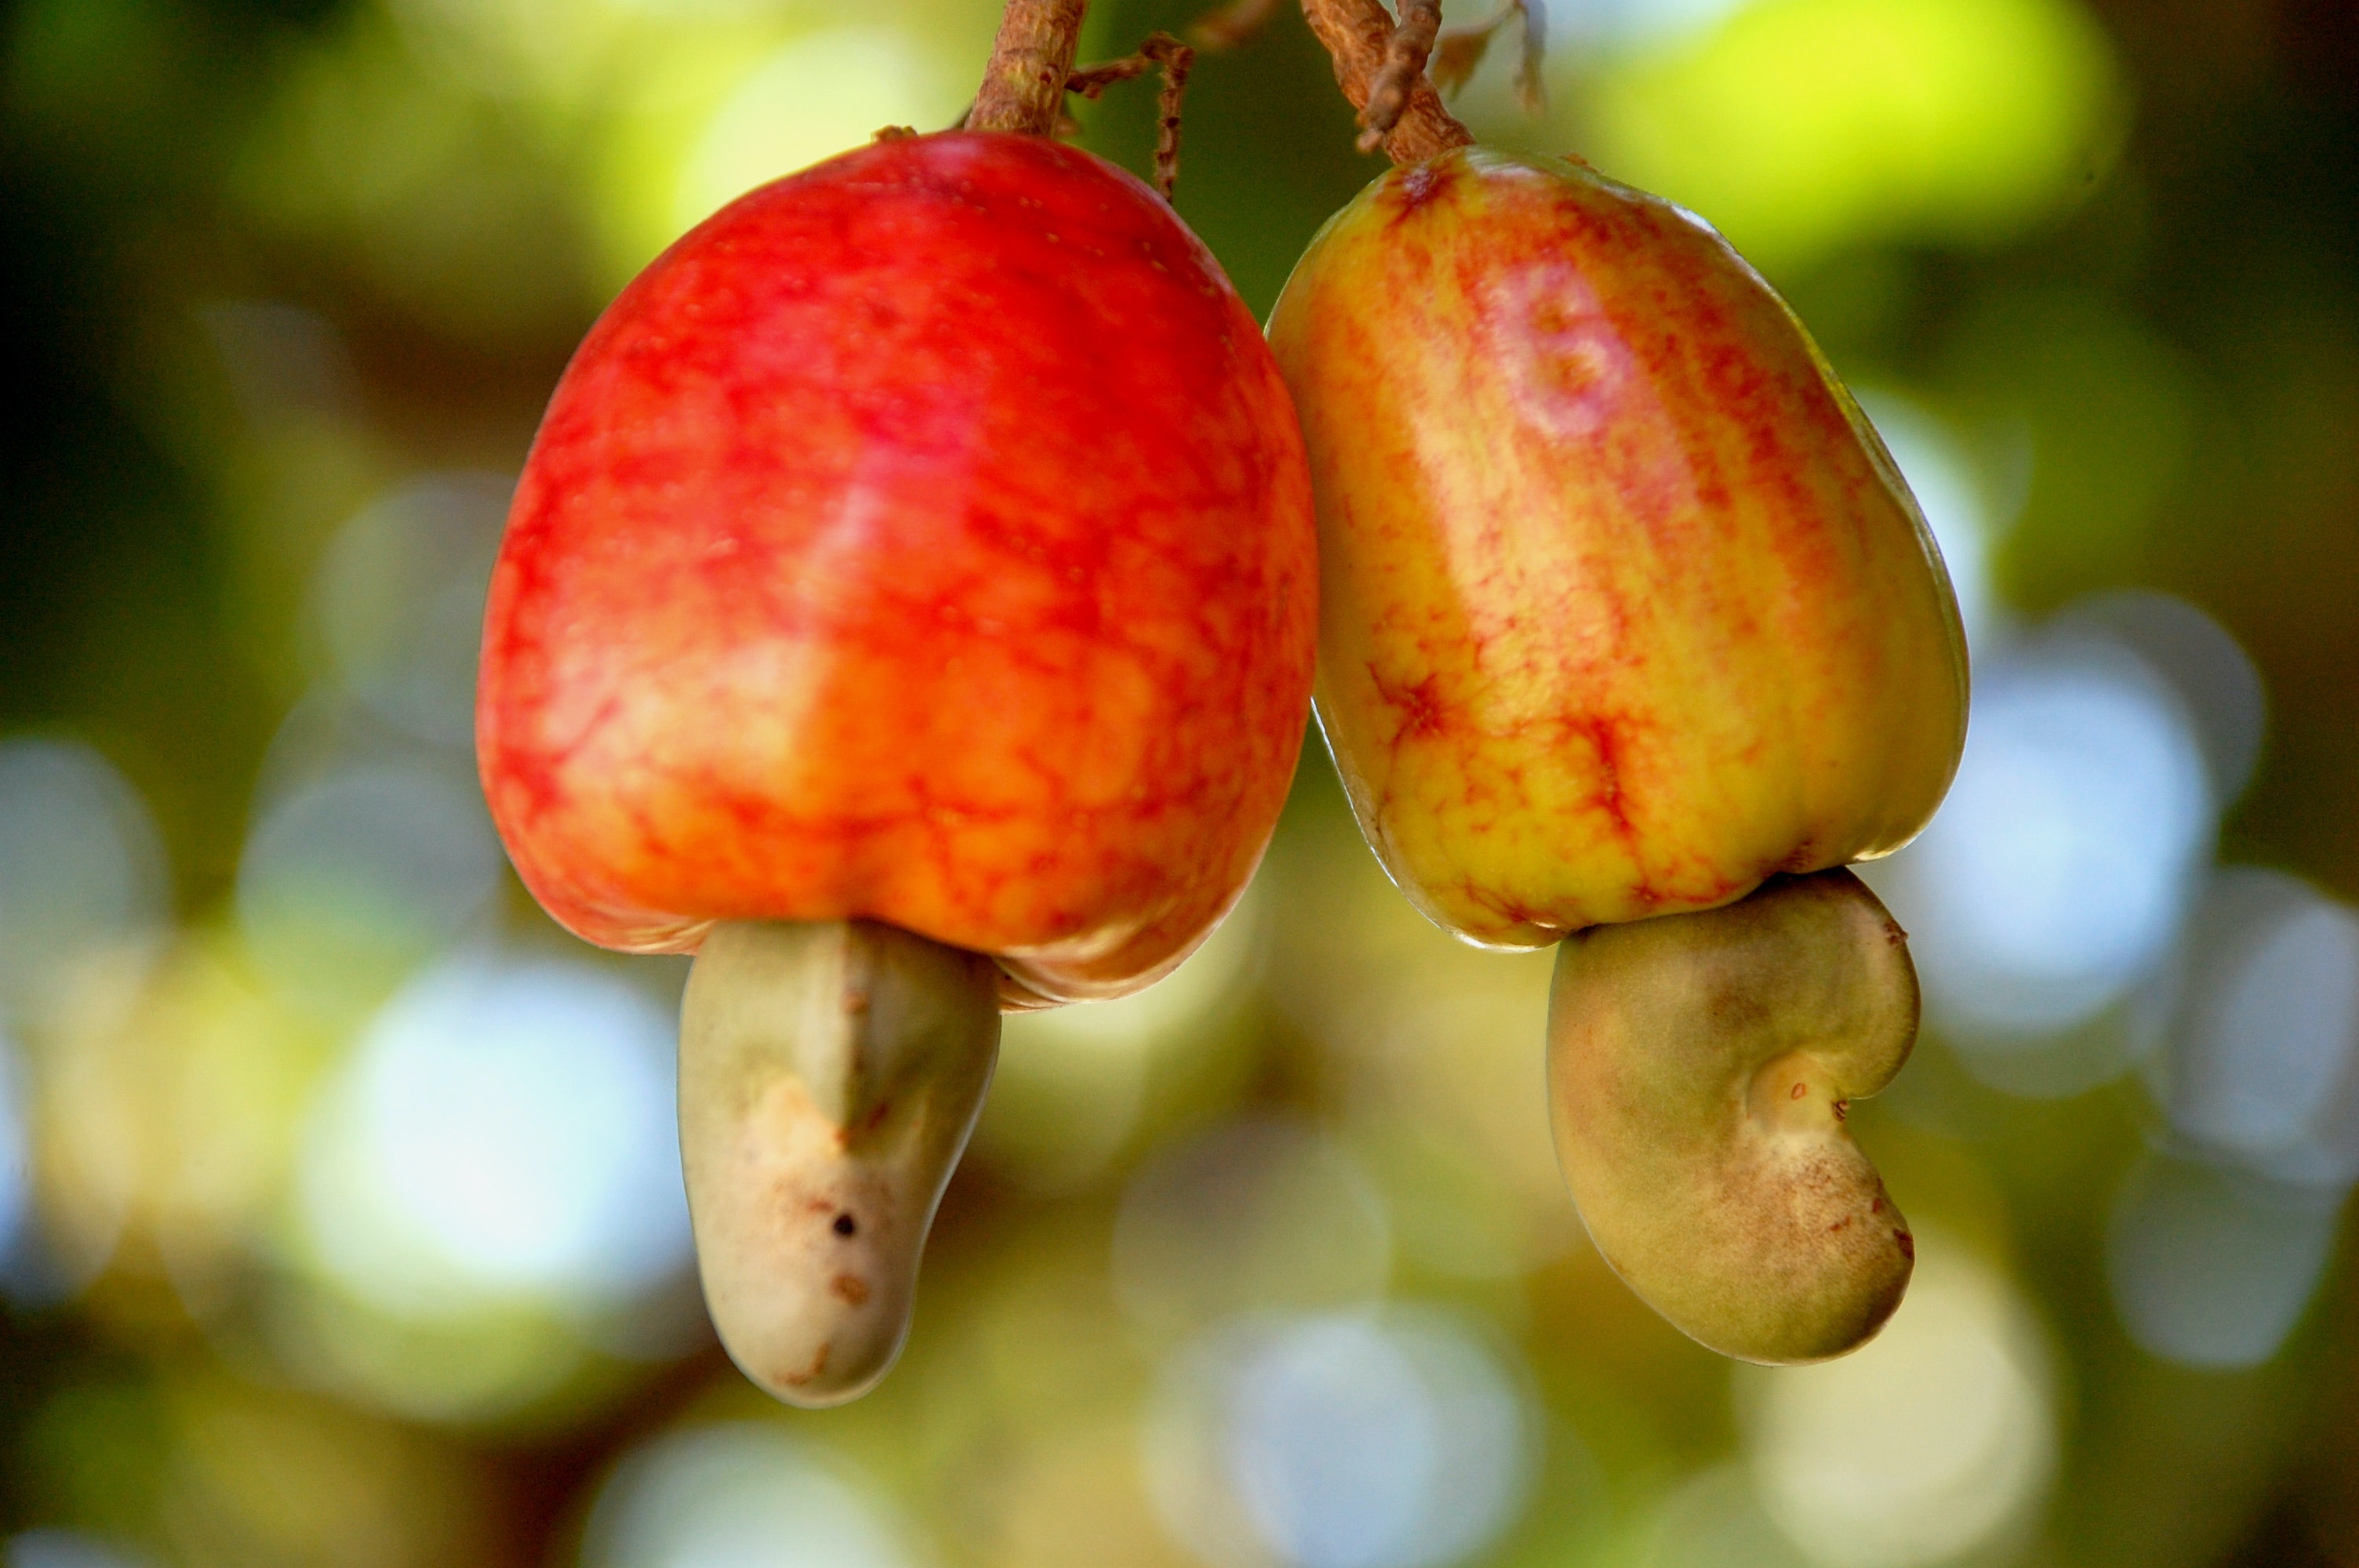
x: 1624, y: 606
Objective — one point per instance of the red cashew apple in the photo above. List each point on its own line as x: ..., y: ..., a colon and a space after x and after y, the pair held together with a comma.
x: 909, y: 601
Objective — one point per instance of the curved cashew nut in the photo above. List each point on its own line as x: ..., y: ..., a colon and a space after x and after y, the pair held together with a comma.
x: 830, y: 1073
x: 1700, y: 1067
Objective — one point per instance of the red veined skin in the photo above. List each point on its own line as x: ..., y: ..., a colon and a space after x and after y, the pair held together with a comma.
x: 1624, y: 605
x: 925, y: 538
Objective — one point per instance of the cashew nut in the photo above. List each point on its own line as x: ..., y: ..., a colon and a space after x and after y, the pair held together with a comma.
x: 830, y: 1073
x: 1700, y: 1069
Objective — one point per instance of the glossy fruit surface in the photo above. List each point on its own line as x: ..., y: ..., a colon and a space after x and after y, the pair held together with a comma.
x: 1624, y: 606
x: 925, y: 538
x: 1701, y: 1069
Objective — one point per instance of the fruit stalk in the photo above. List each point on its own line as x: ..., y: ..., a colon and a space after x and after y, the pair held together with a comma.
x: 1176, y: 59
x: 1396, y: 101
x: 1024, y: 86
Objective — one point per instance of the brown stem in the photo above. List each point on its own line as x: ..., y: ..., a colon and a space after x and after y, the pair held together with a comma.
x: 1405, y: 57
x: 1176, y: 59
x: 1358, y: 33
x: 1024, y: 86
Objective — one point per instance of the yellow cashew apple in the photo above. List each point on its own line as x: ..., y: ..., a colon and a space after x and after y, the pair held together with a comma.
x: 1624, y: 606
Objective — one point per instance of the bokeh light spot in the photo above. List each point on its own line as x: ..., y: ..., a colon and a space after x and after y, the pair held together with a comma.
x: 1936, y: 1438
x: 349, y: 878
x: 501, y: 1130
x: 1386, y: 1440
x: 2056, y: 874
x: 2205, y: 663
x: 1715, y: 1520
x: 2211, y: 1268
x: 66, y: 1548
x: 16, y: 1152
x: 817, y: 96
x: 82, y: 871
x: 744, y: 1494
x: 2263, y: 1065
x: 1803, y: 125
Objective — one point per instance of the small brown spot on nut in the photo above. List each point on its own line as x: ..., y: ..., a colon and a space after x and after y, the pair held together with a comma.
x: 1842, y: 1110
x: 845, y: 1225
x: 851, y: 1288
x: 1799, y: 1091
x: 855, y: 1001
x: 1906, y: 1243
x: 818, y: 1364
